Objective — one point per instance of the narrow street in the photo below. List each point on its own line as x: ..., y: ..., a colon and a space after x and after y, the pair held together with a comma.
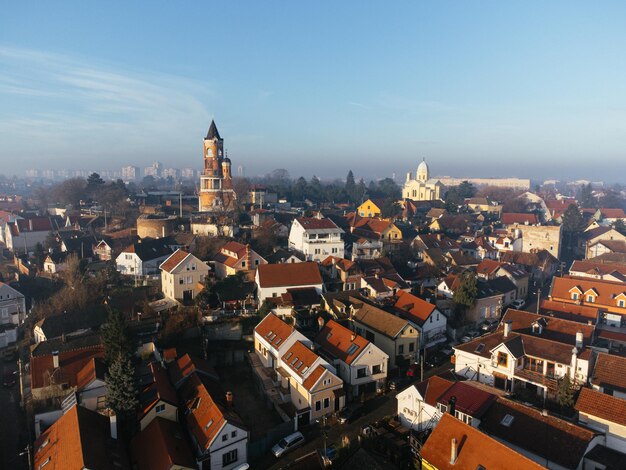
x: 380, y: 407
x: 10, y: 424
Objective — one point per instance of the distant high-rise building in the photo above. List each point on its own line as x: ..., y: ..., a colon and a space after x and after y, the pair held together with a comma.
x: 188, y: 173
x: 130, y: 173
x: 32, y: 173
x: 167, y: 172
x: 216, y: 185
x: 240, y: 171
x: 153, y: 170
x: 48, y: 174
x: 63, y: 174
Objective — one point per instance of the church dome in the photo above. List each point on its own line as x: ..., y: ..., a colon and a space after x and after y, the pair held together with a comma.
x: 422, y: 171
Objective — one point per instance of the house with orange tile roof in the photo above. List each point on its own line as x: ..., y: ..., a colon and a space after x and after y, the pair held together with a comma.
x: 360, y: 363
x: 91, y: 388
x: 162, y: 446
x: 157, y: 399
x: 454, y: 445
x: 219, y: 438
x: 316, y: 238
x: 417, y: 404
x: 273, y: 280
x: 304, y: 379
x: 605, y: 414
x: 182, y: 276
x: 609, y: 297
x: 615, y: 272
x: 234, y: 257
x: 609, y: 375
x: 80, y: 439
x: 431, y: 323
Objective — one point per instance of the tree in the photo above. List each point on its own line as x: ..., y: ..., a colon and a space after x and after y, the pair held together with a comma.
x: 350, y: 186
x: 115, y: 337
x: 465, y: 293
x: 466, y: 190
x: 586, y: 196
x: 121, y: 390
x: 390, y: 208
x: 452, y: 200
x: 565, y: 392
x: 70, y: 191
x: 40, y: 255
x: 620, y: 226
x: 573, y: 220
x: 94, y: 182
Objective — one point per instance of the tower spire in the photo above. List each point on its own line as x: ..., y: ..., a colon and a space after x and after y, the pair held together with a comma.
x: 213, y: 133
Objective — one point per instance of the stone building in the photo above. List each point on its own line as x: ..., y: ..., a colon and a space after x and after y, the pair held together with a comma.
x: 422, y: 188
x: 216, y: 185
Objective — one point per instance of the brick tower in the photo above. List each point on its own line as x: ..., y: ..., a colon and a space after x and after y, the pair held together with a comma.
x: 216, y: 184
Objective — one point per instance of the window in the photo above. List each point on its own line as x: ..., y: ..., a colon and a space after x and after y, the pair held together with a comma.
x: 411, y: 347
x: 44, y: 463
x: 233, y: 434
x: 376, y: 369
x: 229, y: 457
x: 574, y: 295
x: 431, y: 318
x: 352, y: 349
x: 536, y: 365
x: 507, y: 420
x: 181, y: 281
x: 401, y: 349
x: 503, y: 359
x: 318, y: 405
x: 361, y: 372
x: 256, y: 262
x: 243, y: 264
x: 326, y: 402
x: 208, y: 425
x: 160, y: 408
x: 591, y: 298
x: 224, y: 437
x: 621, y: 303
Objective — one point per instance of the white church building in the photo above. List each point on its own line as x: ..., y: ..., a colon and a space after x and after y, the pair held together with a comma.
x: 421, y: 188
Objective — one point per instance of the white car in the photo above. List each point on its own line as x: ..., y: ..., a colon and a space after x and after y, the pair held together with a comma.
x: 287, y: 444
x: 518, y: 303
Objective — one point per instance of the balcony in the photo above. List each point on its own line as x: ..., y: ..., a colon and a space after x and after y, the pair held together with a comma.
x: 538, y: 378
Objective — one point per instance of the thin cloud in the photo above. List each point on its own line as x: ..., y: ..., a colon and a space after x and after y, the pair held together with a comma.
x: 358, y: 105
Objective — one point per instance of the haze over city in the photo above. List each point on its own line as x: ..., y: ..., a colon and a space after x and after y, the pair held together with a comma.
x: 530, y: 89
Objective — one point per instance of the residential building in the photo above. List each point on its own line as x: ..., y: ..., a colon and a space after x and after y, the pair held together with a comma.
x: 605, y: 414
x: 454, y: 444
x: 78, y: 440
x: 609, y: 297
x: 216, y: 185
x: 69, y: 324
x: 508, y: 360
x: 55, y: 263
x: 590, y: 268
x: 219, y: 437
x: 431, y: 323
x: 142, y: 258
x: 12, y: 305
x: 158, y: 399
x: 538, y: 237
x: 371, y: 208
x: 422, y: 187
x: 235, y: 257
x: 511, y: 183
x: 304, y: 379
x: 162, y: 446
x: 360, y: 364
x: 23, y: 235
x: 273, y: 280
x: 395, y: 336
x: 316, y: 238
x: 130, y: 173
x: 182, y: 276
x: 609, y: 375
x: 91, y: 387
x: 593, y: 239
x: 602, y: 248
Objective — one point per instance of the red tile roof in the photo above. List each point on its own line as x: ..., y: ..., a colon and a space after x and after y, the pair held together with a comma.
x: 610, y: 372
x: 606, y: 290
x: 519, y: 218
x: 568, y: 311
x: 299, y: 358
x: 601, y: 405
x: 185, y: 365
x: 341, y: 343
x: 71, y: 362
x: 161, y: 446
x: 79, y: 439
x: 159, y: 390
x: 469, y: 400
x: 475, y: 449
x: 312, y: 379
x: 94, y: 369
x: 431, y: 389
x: 488, y: 266
x: 415, y: 308
x: 292, y: 274
x: 556, y: 329
x: 177, y: 257
x: 273, y: 330
x: 612, y: 213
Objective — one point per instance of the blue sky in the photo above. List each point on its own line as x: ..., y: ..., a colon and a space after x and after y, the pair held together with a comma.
x: 530, y: 89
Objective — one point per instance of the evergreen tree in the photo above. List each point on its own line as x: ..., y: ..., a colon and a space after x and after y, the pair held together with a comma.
x: 350, y: 186
x: 115, y: 337
x: 573, y: 220
x: 121, y: 390
x: 361, y: 189
x: 565, y: 393
x: 620, y: 226
x: 466, y: 190
x: 465, y: 293
x: 586, y: 196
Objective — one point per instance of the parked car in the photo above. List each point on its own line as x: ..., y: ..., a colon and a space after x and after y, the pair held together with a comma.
x: 287, y: 444
x: 397, y: 382
x: 9, y: 379
x: 489, y: 325
x: 469, y: 335
x: 350, y: 413
x: 437, y: 358
x: 518, y: 303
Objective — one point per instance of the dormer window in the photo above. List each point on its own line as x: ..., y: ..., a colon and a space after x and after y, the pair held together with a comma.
x: 621, y: 303
x: 591, y: 298
x: 574, y: 295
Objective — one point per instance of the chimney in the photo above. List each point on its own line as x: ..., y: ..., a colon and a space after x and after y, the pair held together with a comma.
x: 320, y: 323
x: 452, y: 405
x: 507, y: 328
x: 353, y: 336
x: 453, y: 451
x: 55, y: 359
x: 30, y: 224
x: 113, y: 425
x: 229, y: 399
x: 579, y: 340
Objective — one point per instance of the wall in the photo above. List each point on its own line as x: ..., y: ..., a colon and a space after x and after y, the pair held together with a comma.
x: 219, y: 448
x: 170, y: 413
x: 540, y: 238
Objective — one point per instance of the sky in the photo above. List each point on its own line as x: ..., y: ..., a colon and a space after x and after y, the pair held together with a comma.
x: 530, y: 89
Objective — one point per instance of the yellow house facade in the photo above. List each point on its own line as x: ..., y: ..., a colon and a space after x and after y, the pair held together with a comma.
x: 182, y: 275
x: 370, y: 208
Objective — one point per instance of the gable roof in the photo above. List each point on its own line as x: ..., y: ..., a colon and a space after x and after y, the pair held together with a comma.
x: 549, y: 437
x: 609, y: 372
x: 607, y: 290
x: 379, y: 320
x: 159, y: 390
x: 313, y: 377
x: 556, y: 329
x: 415, y: 308
x: 160, y: 446
x: 79, y: 439
x: 149, y: 248
x: 340, y: 343
x: 475, y: 449
x: 291, y: 274
x: 510, y: 218
x: 177, y: 257
x: 433, y: 388
x: 299, y: 358
x: 313, y: 223
x: 601, y: 405
x: 273, y: 330
x: 94, y: 369
x: 488, y: 266
x: 590, y: 266
x: 469, y: 400
x: 186, y: 365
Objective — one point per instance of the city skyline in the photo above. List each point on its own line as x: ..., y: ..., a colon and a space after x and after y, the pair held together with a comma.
x: 511, y: 90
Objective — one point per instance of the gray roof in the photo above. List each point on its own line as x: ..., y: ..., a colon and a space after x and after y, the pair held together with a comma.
x: 213, y: 132
x: 379, y: 320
